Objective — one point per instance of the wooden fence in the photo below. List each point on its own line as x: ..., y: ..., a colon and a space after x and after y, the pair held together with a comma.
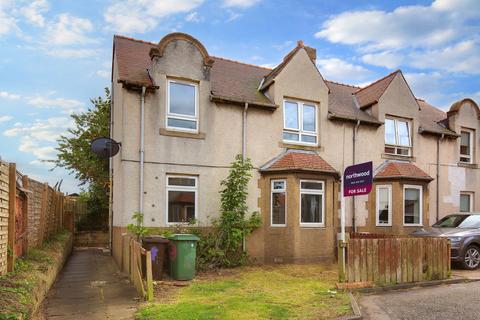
x: 30, y: 213
x: 133, y: 255
x: 391, y: 260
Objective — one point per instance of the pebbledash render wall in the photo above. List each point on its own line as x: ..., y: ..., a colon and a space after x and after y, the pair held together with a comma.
x: 208, y: 153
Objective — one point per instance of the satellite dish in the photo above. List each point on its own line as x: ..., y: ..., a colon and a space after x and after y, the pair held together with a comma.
x: 104, y: 147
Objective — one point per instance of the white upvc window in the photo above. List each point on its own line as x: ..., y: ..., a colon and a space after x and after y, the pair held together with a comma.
x: 466, y: 201
x: 466, y: 146
x: 383, y: 210
x: 398, y: 139
x: 182, y: 199
x: 300, y: 122
x: 412, y: 205
x: 312, y: 203
x: 182, y: 106
x: 278, y: 203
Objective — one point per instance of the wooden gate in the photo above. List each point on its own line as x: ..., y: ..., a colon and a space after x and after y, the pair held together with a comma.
x: 20, y: 224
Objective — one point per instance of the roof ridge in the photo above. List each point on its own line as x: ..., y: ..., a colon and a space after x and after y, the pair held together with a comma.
x: 343, y: 84
x: 383, y: 78
x: 239, y: 62
x: 133, y: 39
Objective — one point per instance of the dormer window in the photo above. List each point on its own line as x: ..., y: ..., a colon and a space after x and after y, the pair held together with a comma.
x: 299, y: 122
x: 397, y: 137
x: 466, y: 146
x: 182, y: 106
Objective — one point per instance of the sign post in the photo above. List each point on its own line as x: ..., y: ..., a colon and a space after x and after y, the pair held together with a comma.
x: 356, y: 181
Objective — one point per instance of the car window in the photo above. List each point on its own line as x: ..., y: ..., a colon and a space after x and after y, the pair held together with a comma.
x: 459, y: 221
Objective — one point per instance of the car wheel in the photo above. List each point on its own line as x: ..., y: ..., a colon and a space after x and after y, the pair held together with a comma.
x: 472, y: 258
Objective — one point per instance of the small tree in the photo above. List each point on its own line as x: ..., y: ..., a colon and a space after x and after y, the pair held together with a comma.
x: 233, y: 224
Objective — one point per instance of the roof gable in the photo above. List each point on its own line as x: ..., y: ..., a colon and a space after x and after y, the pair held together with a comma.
x: 299, y: 160
x: 370, y: 94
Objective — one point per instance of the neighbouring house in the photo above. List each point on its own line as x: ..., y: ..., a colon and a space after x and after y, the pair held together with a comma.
x: 182, y: 115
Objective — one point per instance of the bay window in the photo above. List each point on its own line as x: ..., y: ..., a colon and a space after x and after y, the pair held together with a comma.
x: 182, y: 106
x: 397, y: 137
x: 312, y: 203
x: 300, y: 122
x: 412, y: 205
x: 181, y: 199
x: 278, y: 203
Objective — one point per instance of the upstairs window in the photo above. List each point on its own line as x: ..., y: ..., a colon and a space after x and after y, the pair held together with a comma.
x: 466, y: 146
x: 300, y: 122
x: 182, y: 106
x: 397, y: 137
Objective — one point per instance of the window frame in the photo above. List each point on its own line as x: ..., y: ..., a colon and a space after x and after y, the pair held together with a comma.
x: 180, y: 188
x: 470, y: 202
x: 314, y: 192
x: 172, y: 115
x: 300, y: 131
x: 272, y: 191
x: 420, y: 188
x: 377, y: 201
x: 397, y: 146
x: 471, y: 134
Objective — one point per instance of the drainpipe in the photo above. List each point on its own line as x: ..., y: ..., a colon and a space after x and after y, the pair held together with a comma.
x: 142, y: 147
x: 244, y: 155
x: 355, y: 132
x: 244, y: 131
x: 438, y: 176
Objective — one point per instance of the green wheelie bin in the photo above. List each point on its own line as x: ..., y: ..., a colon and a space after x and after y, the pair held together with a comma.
x: 182, y: 251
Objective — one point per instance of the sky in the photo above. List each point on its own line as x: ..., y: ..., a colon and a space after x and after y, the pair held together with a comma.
x: 56, y: 55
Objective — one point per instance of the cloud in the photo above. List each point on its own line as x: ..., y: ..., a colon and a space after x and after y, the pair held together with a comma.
x: 7, y: 21
x: 72, y: 53
x: 33, y: 13
x: 240, y: 3
x: 39, y: 138
x: 130, y: 16
x: 5, y: 118
x: 103, y: 73
x: 65, y: 105
x: 232, y: 16
x: 442, y: 36
x: 193, y: 17
x: 340, y: 70
x: 68, y: 30
x: 383, y: 59
x: 10, y: 96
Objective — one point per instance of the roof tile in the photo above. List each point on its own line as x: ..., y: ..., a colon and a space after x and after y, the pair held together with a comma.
x: 299, y: 160
x: 371, y: 93
x: 398, y: 170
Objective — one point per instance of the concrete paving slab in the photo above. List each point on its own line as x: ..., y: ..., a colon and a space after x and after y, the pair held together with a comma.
x: 91, y: 287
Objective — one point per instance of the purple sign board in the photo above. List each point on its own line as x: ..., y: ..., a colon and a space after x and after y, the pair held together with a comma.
x: 357, y: 179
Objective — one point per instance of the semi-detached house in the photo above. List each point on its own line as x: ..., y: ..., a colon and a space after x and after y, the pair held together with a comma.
x: 182, y: 115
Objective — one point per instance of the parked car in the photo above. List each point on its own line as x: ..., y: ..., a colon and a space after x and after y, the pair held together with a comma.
x: 463, y: 230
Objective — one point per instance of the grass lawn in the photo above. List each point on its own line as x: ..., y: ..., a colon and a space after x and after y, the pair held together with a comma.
x: 267, y: 292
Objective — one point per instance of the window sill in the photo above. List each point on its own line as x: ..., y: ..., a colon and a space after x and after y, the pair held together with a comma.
x: 413, y: 225
x: 467, y: 165
x: 292, y: 145
x: 383, y: 225
x: 311, y: 226
x: 181, y: 134
x: 397, y: 157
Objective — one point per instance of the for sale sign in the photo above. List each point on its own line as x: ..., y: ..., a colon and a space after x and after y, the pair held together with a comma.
x: 357, y: 179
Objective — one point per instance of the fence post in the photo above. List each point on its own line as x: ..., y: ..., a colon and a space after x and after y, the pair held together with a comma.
x: 148, y: 260
x: 12, y: 201
x: 341, y: 266
x: 26, y: 214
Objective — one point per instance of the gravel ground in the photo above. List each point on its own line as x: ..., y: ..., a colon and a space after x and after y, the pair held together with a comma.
x: 455, y: 301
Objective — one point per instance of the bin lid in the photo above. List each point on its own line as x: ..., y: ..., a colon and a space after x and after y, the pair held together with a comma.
x: 155, y: 239
x: 184, y: 237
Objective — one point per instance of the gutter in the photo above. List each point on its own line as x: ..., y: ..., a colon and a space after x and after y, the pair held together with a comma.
x: 264, y: 105
x: 142, y: 148
x: 334, y: 116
